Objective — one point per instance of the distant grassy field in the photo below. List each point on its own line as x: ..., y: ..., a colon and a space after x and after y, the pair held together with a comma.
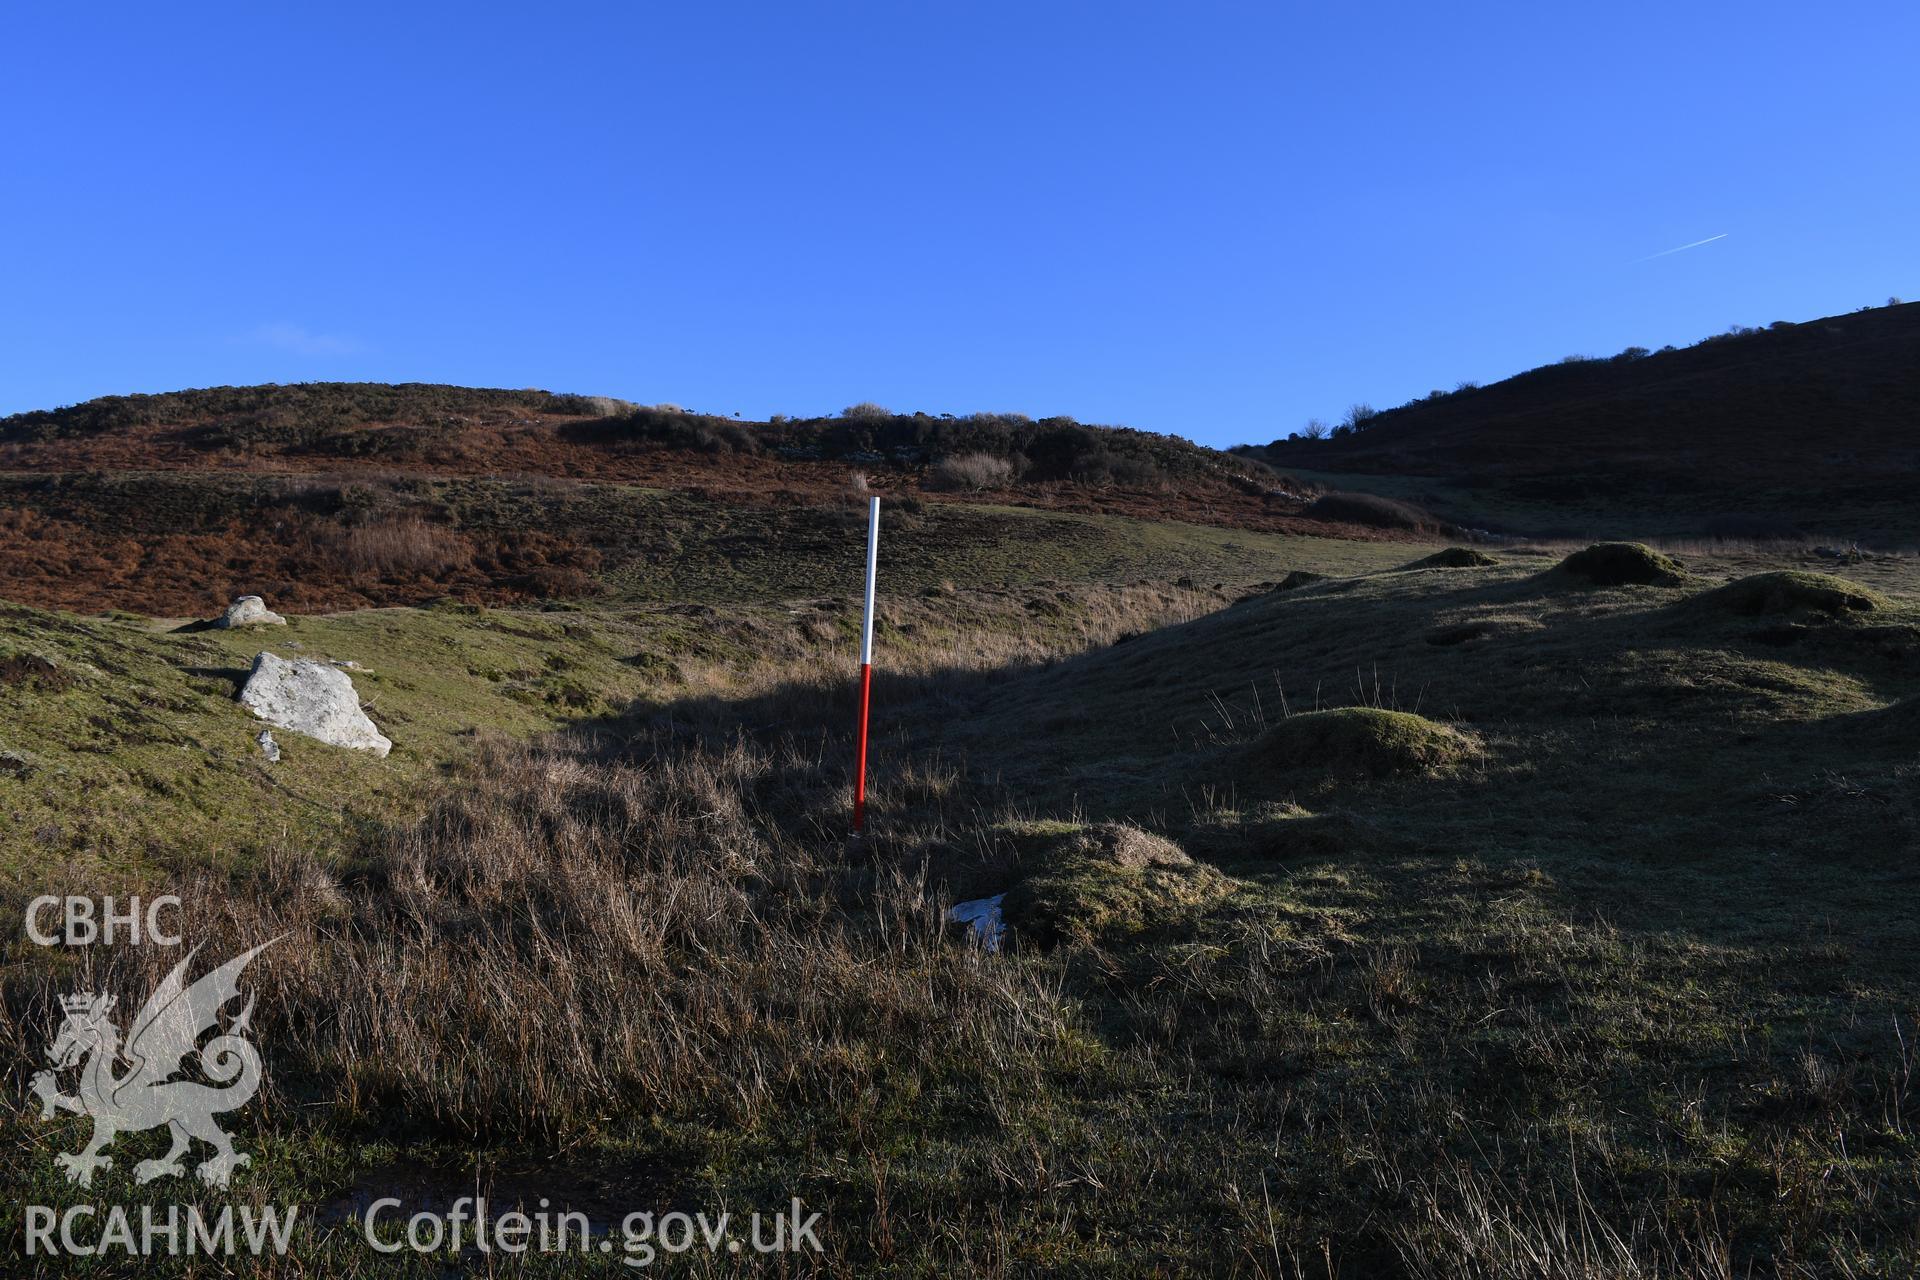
x: 1577, y: 944
x: 757, y: 552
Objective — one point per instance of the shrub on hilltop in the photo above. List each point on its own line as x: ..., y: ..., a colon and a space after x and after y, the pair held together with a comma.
x: 300, y: 413
x: 1050, y: 450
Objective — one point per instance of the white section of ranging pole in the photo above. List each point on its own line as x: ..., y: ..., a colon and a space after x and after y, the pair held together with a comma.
x: 866, y: 671
x: 873, y: 566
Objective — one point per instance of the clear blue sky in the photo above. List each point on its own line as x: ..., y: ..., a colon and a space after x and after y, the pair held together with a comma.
x: 1217, y: 220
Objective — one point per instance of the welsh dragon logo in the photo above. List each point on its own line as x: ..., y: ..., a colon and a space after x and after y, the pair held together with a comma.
x: 162, y: 1042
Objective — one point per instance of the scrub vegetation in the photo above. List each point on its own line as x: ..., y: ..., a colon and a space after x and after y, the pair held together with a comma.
x: 279, y: 476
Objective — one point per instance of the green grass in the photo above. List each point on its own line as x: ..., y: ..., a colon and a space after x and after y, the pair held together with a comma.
x: 1628, y: 987
x: 715, y: 553
x: 141, y: 719
x: 144, y: 721
x: 139, y: 716
x: 1654, y: 932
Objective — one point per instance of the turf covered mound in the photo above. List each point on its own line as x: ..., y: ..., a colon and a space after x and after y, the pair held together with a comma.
x: 1363, y: 741
x: 1621, y: 564
x: 1455, y: 558
x: 1101, y: 883
x: 1793, y: 591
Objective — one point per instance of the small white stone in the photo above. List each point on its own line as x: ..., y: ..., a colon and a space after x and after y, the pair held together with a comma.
x: 268, y: 745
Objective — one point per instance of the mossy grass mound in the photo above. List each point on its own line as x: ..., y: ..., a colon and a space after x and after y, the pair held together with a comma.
x: 1102, y: 883
x: 1793, y: 591
x: 1622, y: 564
x: 1363, y: 741
x: 1455, y: 558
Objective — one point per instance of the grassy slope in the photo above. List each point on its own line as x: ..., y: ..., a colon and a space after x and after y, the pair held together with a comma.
x: 141, y: 721
x: 755, y: 553
x: 139, y: 715
x: 1647, y: 950
x: 1653, y: 932
x: 1547, y: 652
x: 1640, y: 973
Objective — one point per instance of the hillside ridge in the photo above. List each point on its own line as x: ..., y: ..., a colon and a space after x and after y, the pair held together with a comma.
x: 1811, y: 427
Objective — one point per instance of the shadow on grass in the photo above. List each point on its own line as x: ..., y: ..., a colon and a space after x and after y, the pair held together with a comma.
x: 1623, y: 729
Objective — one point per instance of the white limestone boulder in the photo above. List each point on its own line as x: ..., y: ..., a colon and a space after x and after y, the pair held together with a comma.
x: 251, y: 611
x: 312, y: 698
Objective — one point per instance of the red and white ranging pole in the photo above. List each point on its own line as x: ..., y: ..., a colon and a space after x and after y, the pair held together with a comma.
x: 866, y: 668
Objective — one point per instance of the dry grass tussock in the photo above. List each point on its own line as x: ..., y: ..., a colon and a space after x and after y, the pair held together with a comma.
x: 405, y: 545
x: 579, y: 936
x: 1467, y: 1222
x: 972, y: 472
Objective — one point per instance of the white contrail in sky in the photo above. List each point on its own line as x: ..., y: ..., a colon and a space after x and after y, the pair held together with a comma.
x: 1683, y: 248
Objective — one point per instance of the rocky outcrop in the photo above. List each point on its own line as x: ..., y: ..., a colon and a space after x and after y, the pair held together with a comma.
x: 251, y: 611
x: 311, y: 698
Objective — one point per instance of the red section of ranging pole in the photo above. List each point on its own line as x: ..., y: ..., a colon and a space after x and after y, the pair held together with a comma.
x: 866, y: 668
x: 860, y: 764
